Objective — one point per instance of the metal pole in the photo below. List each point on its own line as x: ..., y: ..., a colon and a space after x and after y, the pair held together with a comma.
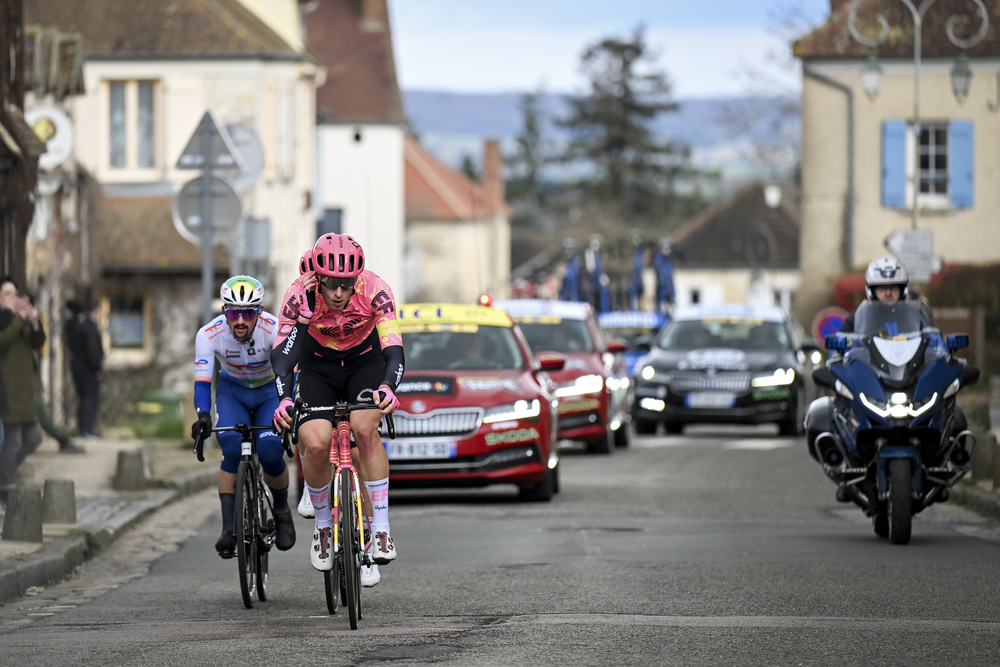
x: 207, y: 273
x: 917, y: 26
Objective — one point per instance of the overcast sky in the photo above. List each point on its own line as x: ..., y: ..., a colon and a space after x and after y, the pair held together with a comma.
x: 518, y: 45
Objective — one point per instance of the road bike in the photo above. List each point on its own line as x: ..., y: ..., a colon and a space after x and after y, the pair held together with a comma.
x: 254, y: 513
x: 350, y: 540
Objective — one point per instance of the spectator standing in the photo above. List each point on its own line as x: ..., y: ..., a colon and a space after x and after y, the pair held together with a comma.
x: 18, y: 341
x: 83, y: 340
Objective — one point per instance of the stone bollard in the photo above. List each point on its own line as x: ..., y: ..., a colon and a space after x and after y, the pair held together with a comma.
x: 23, y: 521
x: 131, y: 475
x: 59, y: 501
x: 977, y: 412
x: 981, y: 467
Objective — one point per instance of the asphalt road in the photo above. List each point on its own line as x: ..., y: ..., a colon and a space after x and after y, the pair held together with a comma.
x: 722, y: 546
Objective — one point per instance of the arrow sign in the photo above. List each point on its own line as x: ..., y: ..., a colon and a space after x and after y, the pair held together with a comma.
x: 224, y: 154
x: 914, y: 248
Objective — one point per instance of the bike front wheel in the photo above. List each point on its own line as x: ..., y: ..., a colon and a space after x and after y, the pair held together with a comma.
x: 352, y: 552
x: 246, y: 539
x: 264, y: 529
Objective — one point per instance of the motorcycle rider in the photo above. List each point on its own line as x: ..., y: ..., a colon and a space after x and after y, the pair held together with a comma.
x: 886, y: 282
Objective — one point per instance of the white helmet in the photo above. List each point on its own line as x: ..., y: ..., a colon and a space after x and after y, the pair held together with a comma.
x: 242, y: 292
x: 883, y: 272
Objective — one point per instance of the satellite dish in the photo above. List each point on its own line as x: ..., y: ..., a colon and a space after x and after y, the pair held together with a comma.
x: 227, y: 210
x: 55, y: 129
x: 251, y: 155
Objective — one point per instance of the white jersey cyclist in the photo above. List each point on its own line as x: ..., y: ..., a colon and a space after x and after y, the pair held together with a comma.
x: 241, y: 339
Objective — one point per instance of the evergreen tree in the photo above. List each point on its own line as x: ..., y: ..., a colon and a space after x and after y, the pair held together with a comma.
x: 529, y: 156
x: 611, y: 131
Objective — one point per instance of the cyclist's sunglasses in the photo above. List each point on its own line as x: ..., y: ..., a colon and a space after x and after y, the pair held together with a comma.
x: 248, y: 314
x: 333, y: 283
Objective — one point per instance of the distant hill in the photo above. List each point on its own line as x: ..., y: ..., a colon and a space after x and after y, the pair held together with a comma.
x: 453, y: 125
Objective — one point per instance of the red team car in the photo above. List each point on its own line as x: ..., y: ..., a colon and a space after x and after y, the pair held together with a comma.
x: 592, y: 388
x: 474, y: 408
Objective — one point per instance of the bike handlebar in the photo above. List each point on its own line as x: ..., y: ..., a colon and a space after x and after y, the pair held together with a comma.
x: 344, y: 408
x: 243, y: 429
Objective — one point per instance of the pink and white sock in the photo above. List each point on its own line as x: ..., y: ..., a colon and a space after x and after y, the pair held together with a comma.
x: 320, y: 499
x: 378, y: 491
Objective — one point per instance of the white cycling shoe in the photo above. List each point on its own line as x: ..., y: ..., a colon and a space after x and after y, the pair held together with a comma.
x: 369, y: 575
x: 321, y: 554
x: 306, y: 507
x: 383, y: 550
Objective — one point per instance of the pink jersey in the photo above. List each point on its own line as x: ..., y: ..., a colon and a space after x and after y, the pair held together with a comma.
x: 371, y: 307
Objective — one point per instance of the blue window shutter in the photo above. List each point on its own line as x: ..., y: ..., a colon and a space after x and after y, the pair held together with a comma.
x: 894, y: 163
x: 960, y: 164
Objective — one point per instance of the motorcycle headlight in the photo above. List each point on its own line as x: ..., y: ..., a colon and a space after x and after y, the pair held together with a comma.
x: 779, y: 378
x: 517, y: 410
x: 585, y: 384
x: 876, y: 406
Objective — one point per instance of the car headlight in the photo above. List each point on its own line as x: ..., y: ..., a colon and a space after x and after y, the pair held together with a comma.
x: 517, y: 410
x: 779, y: 378
x: 654, y: 404
x: 585, y: 384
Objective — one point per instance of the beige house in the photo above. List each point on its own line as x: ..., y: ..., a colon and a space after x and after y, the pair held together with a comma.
x: 457, y: 230
x: 863, y: 166
x: 742, y: 250
x: 151, y: 71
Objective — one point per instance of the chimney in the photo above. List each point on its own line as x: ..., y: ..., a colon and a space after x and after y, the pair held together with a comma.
x: 373, y: 15
x: 493, y: 175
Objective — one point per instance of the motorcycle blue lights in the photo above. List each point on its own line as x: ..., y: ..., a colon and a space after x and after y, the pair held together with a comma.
x: 958, y: 341
x: 836, y: 343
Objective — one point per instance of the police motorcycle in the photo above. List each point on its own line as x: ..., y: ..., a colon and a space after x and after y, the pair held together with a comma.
x: 891, y: 437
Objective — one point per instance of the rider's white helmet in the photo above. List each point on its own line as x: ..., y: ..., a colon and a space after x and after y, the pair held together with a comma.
x: 242, y: 292
x: 886, y: 271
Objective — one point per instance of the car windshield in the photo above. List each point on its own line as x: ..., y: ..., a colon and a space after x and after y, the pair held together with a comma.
x: 745, y: 335
x: 554, y: 334
x: 462, y: 346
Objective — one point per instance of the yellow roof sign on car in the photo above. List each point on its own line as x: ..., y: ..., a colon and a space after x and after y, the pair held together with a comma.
x: 419, y: 316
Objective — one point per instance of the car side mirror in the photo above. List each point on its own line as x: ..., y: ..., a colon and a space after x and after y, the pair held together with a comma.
x: 823, y: 377
x: 809, y: 345
x: 617, y: 345
x: 551, y: 362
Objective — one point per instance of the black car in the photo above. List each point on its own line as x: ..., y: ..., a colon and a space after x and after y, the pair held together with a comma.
x: 725, y: 364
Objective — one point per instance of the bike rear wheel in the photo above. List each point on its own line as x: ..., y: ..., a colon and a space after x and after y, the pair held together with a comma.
x: 246, y: 539
x: 352, y: 568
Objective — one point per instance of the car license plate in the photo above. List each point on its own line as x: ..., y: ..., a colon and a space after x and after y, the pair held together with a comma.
x: 446, y: 449
x: 710, y: 399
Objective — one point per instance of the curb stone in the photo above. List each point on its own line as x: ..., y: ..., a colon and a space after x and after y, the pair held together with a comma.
x: 977, y: 499
x: 103, y: 518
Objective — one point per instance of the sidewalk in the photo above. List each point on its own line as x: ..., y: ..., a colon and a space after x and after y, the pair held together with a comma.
x: 102, y: 512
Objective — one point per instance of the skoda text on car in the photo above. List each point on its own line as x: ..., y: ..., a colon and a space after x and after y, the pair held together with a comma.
x: 473, y: 408
x: 592, y: 387
x: 727, y: 363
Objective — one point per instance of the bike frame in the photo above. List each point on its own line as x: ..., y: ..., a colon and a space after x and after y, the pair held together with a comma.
x: 340, y: 458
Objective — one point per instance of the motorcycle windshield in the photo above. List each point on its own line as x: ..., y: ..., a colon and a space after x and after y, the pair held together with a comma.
x: 894, y: 336
x: 879, y: 320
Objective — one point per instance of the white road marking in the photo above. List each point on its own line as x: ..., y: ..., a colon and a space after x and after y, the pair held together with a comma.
x: 761, y: 445
x: 804, y: 622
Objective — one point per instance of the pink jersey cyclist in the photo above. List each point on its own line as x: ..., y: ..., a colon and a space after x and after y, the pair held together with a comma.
x: 338, y: 324
x: 371, y: 307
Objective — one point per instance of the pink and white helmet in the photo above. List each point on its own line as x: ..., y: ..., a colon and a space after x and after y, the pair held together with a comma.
x: 306, y: 262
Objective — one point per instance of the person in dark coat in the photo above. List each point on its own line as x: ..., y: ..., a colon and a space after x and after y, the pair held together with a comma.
x: 18, y: 342
x: 83, y: 340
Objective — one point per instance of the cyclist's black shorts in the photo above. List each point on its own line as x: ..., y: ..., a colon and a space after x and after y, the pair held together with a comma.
x: 324, y: 382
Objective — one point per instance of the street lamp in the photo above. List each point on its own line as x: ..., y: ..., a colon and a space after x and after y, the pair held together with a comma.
x: 961, y: 73
x: 871, y: 76
x: 961, y: 78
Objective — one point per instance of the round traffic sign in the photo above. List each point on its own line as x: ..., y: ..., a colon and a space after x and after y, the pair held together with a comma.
x: 827, y: 322
x: 227, y: 210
